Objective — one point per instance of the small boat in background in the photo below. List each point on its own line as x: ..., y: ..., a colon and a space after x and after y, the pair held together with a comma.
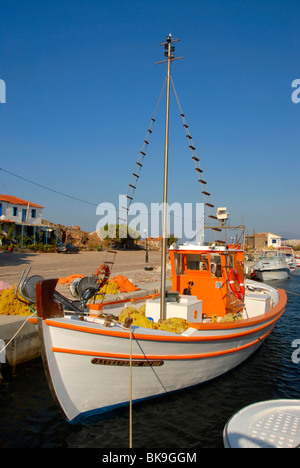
x: 267, y: 424
x: 290, y: 257
x: 272, y: 265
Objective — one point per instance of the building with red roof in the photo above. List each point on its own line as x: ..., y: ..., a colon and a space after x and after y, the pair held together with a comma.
x: 19, y: 218
x: 18, y: 210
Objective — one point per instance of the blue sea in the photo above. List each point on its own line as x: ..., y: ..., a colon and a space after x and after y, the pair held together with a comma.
x: 191, y: 419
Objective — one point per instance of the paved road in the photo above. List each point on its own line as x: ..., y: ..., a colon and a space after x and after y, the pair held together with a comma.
x: 52, y: 265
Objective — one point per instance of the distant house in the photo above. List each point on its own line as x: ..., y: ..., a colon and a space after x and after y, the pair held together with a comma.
x: 20, y: 211
x: 263, y: 240
x: 21, y: 218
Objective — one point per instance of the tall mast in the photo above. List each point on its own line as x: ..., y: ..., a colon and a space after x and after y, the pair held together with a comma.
x: 169, y: 49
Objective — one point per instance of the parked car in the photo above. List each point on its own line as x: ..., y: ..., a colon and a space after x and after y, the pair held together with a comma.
x: 67, y: 248
x: 7, y: 241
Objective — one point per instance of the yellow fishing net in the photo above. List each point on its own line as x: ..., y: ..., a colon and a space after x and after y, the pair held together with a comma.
x: 232, y: 317
x: 109, y: 288
x: 9, y: 305
x: 175, y: 325
x: 227, y: 318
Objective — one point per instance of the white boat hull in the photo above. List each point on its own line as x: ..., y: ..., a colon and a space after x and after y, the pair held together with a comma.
x: 88, y: 365
x: 272, y: 275
x: 85, y: 384
x: 273, y: 265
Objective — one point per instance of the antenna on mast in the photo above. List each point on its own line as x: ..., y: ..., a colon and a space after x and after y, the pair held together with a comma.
x: 169, y: 40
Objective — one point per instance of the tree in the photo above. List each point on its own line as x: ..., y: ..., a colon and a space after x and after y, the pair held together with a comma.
x: 120, y: 234
x: 172, y: 239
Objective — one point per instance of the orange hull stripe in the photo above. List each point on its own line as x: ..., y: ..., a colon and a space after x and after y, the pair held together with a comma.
x: 154, y: 337
x: 167, y: 357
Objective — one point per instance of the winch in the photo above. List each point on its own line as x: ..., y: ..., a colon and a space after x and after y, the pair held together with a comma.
x: 82, y: 289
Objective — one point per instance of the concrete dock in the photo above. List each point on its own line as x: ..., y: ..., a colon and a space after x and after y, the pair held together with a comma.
x: 25, y: 341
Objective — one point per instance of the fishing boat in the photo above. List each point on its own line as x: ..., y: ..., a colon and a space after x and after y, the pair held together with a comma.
x: 113, y: 355
x: 272, y: 265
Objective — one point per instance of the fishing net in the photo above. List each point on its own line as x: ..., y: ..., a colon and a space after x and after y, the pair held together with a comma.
x: 175, y: 325
x: 9, y: 305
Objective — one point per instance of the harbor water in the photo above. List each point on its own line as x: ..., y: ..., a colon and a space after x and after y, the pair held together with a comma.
x: 192, y: 419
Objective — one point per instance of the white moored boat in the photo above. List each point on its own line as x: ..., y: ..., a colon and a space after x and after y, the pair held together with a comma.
x: 272, y: 265
x: 290, y: 257
x: 210, y: 322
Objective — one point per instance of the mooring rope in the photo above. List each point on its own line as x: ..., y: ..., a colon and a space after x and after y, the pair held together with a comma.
x: 18, y: 331
x: 291, y: 292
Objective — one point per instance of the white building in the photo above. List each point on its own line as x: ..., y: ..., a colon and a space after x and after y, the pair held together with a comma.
x: 20, y: 211
x: 20, y: 218
x: 274, y: 240
x: 264, y: 240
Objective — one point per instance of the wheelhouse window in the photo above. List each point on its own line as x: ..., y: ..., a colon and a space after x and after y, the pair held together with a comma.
x: 215, y: 265
x: 179, y: 264
x: 198, y: 262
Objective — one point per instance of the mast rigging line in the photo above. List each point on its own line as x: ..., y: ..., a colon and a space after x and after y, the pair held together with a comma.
x: 208, y: 205
x: 136, y: 174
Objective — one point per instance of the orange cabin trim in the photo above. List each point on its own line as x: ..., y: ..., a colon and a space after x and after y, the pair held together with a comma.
x: 205, y: 273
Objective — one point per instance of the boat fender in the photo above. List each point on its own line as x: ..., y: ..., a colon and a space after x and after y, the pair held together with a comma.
x: 232, y: 276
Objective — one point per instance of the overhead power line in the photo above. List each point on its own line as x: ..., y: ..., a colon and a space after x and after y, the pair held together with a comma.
x: 48, y: 188
x: 70, y: 196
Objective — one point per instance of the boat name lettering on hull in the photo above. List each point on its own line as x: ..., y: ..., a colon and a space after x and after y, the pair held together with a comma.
x: 122, y: 363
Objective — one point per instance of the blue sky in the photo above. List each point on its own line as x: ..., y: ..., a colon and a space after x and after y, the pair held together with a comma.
x: 81, y: 88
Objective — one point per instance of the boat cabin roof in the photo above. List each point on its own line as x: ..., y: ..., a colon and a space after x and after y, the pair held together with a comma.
x: 202, y: 248
x: 272, y: 254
